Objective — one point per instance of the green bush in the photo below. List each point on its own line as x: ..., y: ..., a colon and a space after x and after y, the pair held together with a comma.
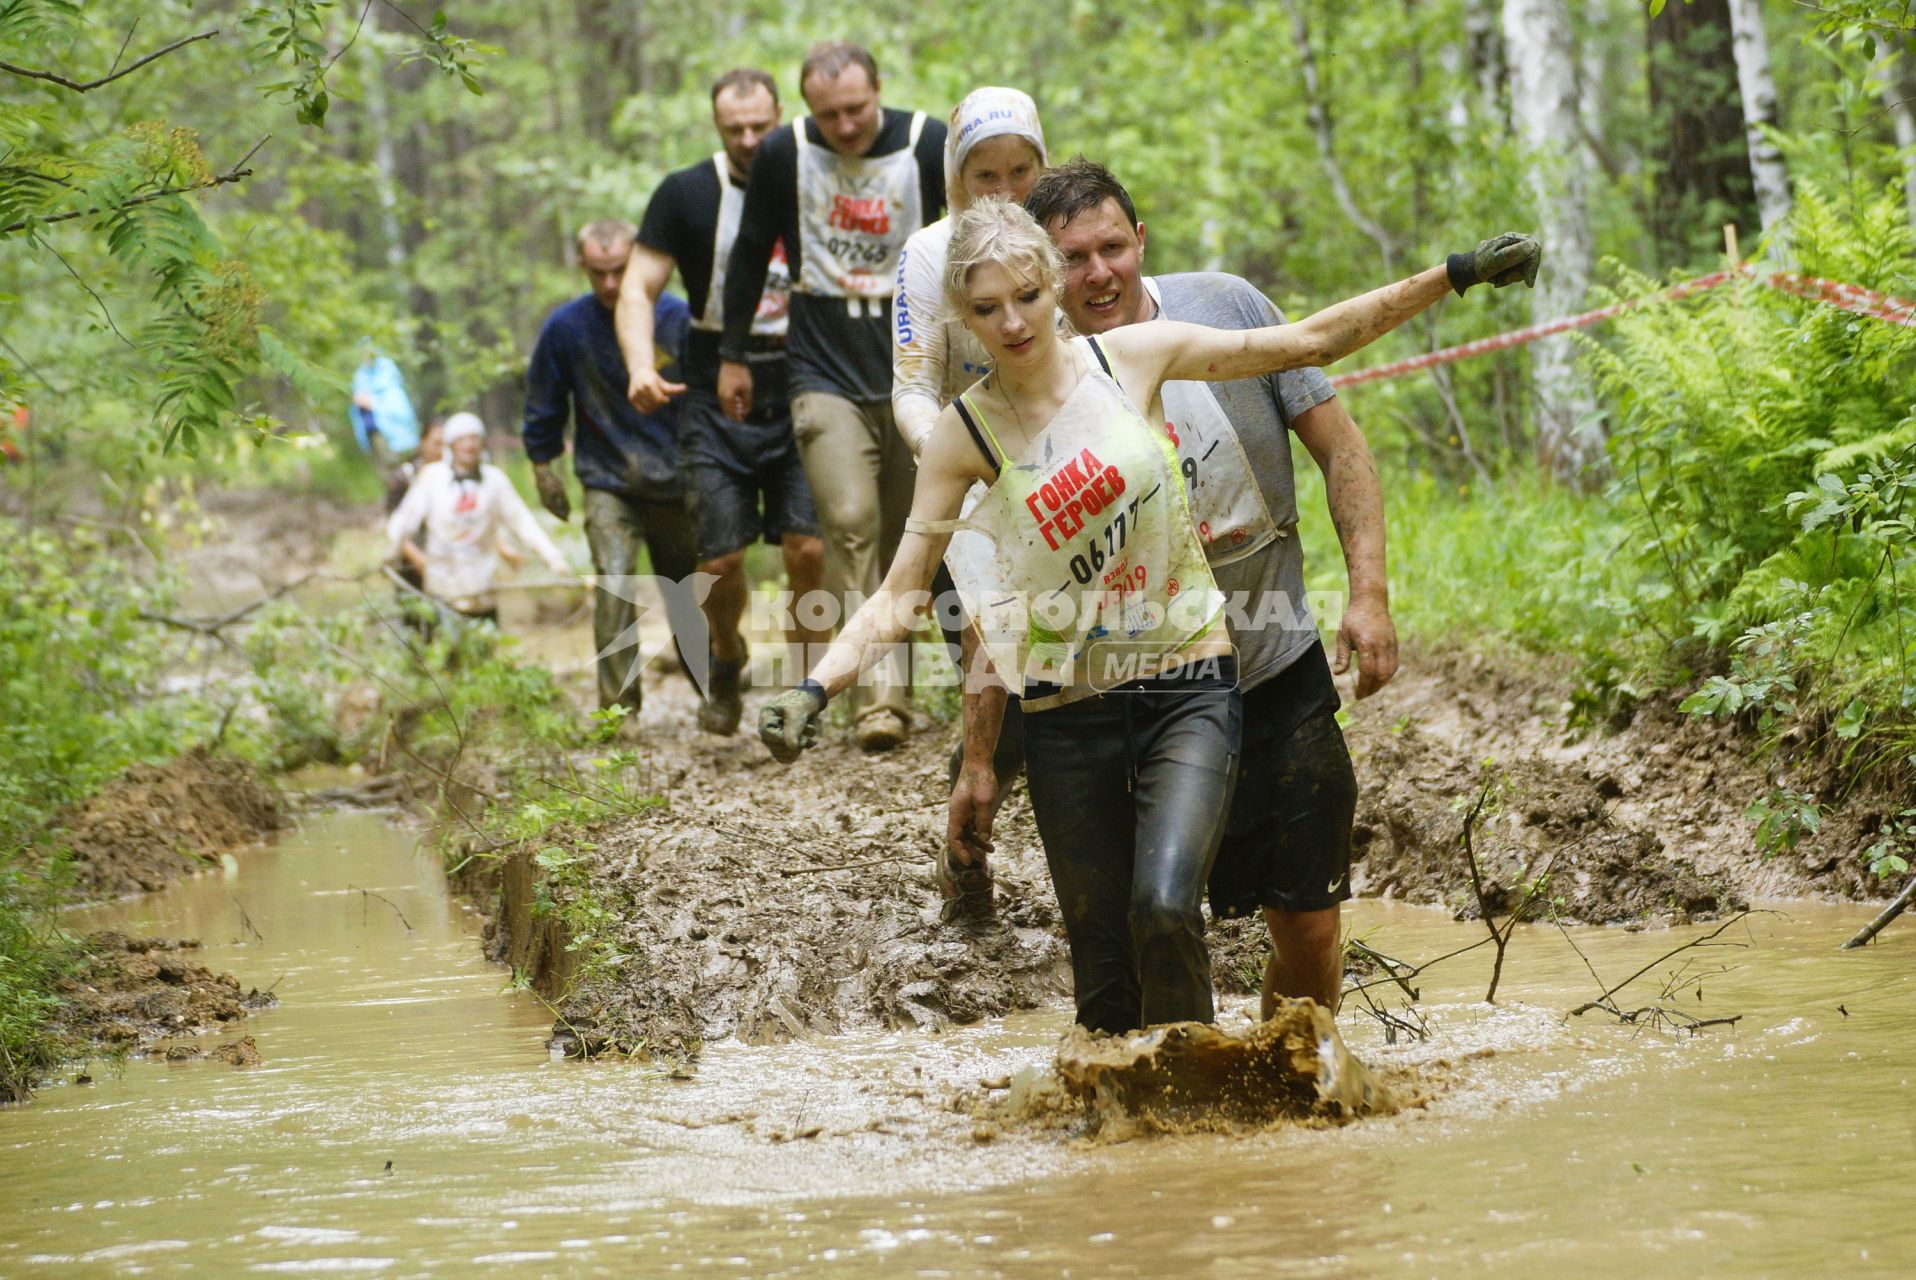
x: 1764, y: 448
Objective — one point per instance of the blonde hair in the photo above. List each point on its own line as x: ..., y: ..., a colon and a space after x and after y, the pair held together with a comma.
x: 996, y: 230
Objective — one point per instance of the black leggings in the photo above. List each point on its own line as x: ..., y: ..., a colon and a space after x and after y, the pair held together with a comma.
x: 1130, y: 790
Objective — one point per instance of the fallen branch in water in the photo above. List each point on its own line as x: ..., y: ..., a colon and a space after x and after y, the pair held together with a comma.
x: 1663, y: 1014
x: 368, y: 893
x: 248, y: 921
x: 1392, y: 1023
x: 1499, y: 937
x: 1876, y: 926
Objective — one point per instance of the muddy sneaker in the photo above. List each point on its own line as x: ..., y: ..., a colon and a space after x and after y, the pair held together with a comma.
x: 966, y: 888
x: 880, y: 731
x: 720, y: 711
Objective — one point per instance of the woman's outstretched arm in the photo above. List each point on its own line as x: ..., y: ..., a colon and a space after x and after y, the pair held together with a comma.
x: 789, y: 722
x: 1186, y: 351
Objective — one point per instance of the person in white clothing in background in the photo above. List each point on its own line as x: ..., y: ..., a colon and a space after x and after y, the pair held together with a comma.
x: 463, y: 505
x: 995, y: 147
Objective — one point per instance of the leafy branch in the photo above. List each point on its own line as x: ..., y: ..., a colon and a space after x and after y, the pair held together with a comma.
x: 87, y: 86
x: 238, y: 172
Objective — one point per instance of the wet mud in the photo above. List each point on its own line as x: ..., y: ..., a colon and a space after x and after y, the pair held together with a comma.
x: 153, y: 996
x: 1293, y: 1066
x: 156, y: 823
x: 752, y: 930
x: 1669, y: 789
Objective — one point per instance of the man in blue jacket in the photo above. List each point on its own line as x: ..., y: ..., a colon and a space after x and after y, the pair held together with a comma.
x: 626, y: 461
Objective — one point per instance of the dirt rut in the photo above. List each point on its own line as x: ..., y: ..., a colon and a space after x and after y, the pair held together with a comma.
x: 155, y: 824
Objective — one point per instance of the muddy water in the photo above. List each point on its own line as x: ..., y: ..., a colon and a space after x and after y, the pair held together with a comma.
x: 407, y: 1121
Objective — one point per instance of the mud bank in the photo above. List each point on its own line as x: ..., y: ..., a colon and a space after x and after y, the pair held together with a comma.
x: 157, y: 823
x: 766, y: 904
x: 1647, y: 821
x: 153, y: 996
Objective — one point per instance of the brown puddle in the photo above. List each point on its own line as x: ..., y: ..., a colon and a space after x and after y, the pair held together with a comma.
x: 405, y: 1119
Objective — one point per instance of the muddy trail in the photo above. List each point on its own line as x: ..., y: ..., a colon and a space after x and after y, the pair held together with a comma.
x: 764, y: 903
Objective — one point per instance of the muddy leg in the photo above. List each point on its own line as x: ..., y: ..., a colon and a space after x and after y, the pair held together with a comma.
x: 1085, y: 820
x: 1186, y: 769
x: 725, y: 606
x: 805, y: 573
x: 1304, y: 959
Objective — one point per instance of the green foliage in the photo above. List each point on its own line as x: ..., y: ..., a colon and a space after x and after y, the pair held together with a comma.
x: 1784, y: 817
x: 1895, y: 845
x: 78, y: 669
x: 555, y: 800
x: 94, y: 198
x: 34, y: 956
x: 1763, y: 452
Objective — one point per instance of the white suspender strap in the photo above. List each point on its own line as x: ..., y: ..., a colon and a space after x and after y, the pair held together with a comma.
x: 917, y: 126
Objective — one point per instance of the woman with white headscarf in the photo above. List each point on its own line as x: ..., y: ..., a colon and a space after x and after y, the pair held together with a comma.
x: 995, y: 148
x: 463, y: 505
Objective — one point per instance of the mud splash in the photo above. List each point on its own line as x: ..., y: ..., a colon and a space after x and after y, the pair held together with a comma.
x: 157, y: 823
x: 1190, y: 1076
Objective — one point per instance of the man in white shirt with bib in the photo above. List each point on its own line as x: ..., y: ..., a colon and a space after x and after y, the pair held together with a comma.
x: 842, y: 190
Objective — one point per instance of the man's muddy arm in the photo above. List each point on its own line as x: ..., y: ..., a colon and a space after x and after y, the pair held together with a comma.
x: 646, y: 275
x: 976, y: 794
x: 1356, y: 501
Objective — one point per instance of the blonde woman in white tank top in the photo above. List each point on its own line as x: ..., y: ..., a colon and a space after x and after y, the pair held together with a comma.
x: 1097, y: 605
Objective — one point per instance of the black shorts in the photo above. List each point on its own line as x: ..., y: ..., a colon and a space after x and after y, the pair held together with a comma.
x: 1287, y: 843
x: 743, y: 480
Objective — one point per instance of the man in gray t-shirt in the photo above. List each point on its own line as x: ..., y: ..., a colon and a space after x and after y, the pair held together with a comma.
x: 1286, y: 847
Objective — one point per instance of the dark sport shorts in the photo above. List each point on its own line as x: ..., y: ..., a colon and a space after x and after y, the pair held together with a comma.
x: 1287, y: 843
x: 743, y: 480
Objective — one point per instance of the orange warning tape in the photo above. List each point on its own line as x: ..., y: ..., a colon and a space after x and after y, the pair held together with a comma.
x: 1849, y: 297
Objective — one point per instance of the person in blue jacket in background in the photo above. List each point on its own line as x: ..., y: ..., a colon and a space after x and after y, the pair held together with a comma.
x: 626, y: 461
x: 384, y: 423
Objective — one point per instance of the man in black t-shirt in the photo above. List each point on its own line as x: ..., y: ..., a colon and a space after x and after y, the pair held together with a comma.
x: 842, y: 190
x: 743, y: 478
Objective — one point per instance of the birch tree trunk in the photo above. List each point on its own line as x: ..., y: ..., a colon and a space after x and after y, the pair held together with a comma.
x: 1752, y: 49
x: 385, y: 165
x: 1543, y: 102
x: 1897, y: 86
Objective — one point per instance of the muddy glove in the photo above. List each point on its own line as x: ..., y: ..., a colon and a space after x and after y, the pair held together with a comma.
x: 789, y: 723
x: 551, y: 491
x: 1498, y: 261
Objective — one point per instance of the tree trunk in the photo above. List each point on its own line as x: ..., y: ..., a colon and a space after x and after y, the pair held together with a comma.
x: 1543, y: 98
x: 1488, y: 65
x: 1320, y: 120
x: 1752, y: 47
x: 612, y: 42
x: 385, y: 166
x: 1703, y: 178
x: 1896, y: 82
